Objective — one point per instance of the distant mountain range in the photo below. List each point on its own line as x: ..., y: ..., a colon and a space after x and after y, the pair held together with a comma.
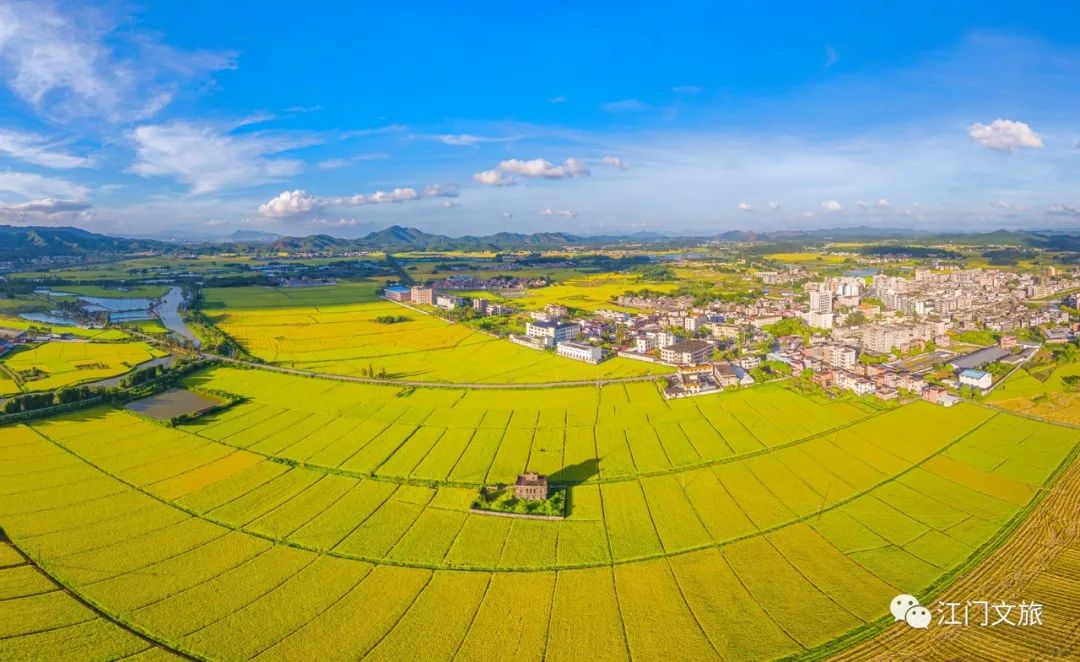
x: 29, y: 241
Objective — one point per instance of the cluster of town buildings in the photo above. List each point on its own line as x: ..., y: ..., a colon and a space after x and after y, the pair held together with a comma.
x: 874, y: 335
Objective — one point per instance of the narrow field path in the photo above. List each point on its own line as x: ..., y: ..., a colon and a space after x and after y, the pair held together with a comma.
x: 426, y: 384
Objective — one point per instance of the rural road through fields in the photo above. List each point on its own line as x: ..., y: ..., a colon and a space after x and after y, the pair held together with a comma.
x: 408, y: 382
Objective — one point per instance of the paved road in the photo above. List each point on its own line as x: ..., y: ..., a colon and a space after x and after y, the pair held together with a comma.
x: 425, y: 384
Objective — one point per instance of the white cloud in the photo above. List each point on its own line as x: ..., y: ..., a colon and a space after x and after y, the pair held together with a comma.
x: 545, y: 169
x: 493, y: 178
x: 35, y: 149
x: 831, y: 206
x: 615, y: 162
x: 441, y: 191
x: 33, y: 186
x: 1005, y: 135
x: 79, y: 62
x: 1064, y: 210
x: 209, y: 159
x: 560, y: 213
x: 746, y: 206
x: 1006, y: 205
x: 506, y: 214
x: 883, y: 203
x: 381, y: 197
x: 558, y: 99
x: 773, y: 206
x: 686, y: 89
x: 861, y: 204
x: 47, y: 210
x: 450, y: 204
x: 291, y: 203
x: 299, y: 203
x: 625, y: 106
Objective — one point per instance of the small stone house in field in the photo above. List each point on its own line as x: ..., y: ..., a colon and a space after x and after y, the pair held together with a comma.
x: 531, y: 486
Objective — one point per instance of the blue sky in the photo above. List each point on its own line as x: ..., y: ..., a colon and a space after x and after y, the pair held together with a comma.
x: 207, y: 117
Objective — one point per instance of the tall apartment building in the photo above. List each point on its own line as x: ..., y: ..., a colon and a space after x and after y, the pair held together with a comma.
x: 422, y: 294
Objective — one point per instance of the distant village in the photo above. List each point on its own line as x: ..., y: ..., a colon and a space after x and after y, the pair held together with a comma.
x: 874, y: 335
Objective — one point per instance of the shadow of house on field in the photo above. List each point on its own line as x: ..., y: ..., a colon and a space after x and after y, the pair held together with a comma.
x: 3, y: 536
x: 575, y: 474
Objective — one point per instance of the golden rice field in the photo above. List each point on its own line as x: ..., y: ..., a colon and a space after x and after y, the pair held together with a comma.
x: 1049, y: 399
x: 329, y: 520
x: 57, y: 364
x: 333, y: 330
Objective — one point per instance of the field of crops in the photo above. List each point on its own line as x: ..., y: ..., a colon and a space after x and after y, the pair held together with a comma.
x: 57, y: 364
x: 749, y: 525
x: 1046, y: 398
x: 333, y: 330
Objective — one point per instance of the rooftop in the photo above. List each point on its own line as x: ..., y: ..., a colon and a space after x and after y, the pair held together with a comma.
x: 688, y: 346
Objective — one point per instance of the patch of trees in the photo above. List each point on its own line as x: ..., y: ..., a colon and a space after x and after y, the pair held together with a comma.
x: 895, y: 250
x: 1007, y: 256
x: 391, y: 319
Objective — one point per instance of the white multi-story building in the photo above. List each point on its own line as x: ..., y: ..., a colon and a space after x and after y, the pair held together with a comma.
x: 821, y: 301
x: 579, y: 351
x: 666, y: 338
x: 645, y: 343
x: 840, y: 356
x: 551, y: 333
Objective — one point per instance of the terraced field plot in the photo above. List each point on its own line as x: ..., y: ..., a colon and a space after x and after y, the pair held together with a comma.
x: 333, y: 330
x: 767, y: 533
x: 58, y: 364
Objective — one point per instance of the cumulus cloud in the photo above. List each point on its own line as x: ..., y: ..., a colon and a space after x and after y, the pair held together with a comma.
x: 560, y: 213
x: 625, y: 106
x: 746, y: 206
x: 450, y: 204
x: 831, y: 206
x: 615, y: 162
x: 1005, y: 136
x: 38, y: 150
x: 291, y: 203
x: 506, y: 214
x: 883, y: 203
x: 773, y: 206
x: 208, y: 159
x: 46, y: 210
x: 544, y: 169
x: 299, y: 203
x: 81, y: 62
x: 861, y: 204
x: 493, y: 178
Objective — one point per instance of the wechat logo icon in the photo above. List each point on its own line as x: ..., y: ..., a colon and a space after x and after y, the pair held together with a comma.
x: 907, y: 608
